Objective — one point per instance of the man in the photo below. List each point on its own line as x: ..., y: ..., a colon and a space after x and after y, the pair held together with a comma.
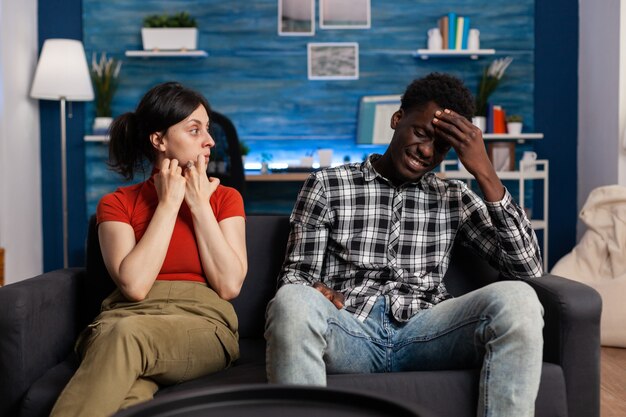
x: 361, y: 287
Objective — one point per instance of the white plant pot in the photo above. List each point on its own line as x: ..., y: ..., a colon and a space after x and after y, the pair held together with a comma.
x: 514, y: 128
x: 169, y: 39
x: 480, y: 122
x: 101, y: 125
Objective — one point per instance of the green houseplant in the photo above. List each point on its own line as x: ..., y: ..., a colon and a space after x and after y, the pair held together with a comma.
x: 177, y: 31
x: 105, y: 73
x: 491, y: 77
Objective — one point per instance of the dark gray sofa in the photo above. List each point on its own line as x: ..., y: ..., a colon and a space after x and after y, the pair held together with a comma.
x: 41, y: 317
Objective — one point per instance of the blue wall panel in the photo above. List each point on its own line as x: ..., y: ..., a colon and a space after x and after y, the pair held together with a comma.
x: 259, y: 79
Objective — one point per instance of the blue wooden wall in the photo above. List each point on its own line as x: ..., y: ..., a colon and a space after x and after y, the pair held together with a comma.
x: 259, y: 79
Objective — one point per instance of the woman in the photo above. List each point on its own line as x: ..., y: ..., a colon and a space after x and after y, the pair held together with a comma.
x: 175, y: 247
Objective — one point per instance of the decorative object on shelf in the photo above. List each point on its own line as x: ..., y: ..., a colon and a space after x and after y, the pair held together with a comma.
x: 265, y: 162
x: 104, y: 76
x: 307, y: 160
x: 62, y: 74
x: 514, y: 124
x: 435, y: 41
x: 244, y: 150
x: 325, y: 156
x: 528, y: 161
x: 169, y: 32
x: 489, y: 82
x: 473, y: 40
x: 502, y: 155
x: 480, y: 122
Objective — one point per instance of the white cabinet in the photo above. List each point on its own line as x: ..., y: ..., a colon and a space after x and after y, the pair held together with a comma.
x: 535, y: 171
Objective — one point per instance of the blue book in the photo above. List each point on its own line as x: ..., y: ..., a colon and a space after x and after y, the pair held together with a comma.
x: 451, y: 30
x: 489, y: 127
x: 466, y: 28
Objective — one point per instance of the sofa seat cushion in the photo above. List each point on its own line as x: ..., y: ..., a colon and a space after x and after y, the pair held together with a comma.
x: 451, y: 393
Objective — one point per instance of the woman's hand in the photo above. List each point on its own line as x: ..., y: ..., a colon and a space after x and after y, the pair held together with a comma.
x: 170, y: 184
x: 199, y: 187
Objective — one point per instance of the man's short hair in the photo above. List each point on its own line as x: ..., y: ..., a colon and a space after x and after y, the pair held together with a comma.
x: 447, y: 91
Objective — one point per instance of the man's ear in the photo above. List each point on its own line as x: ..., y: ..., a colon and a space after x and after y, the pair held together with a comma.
x: 395, y: 118
x: 157, y: 141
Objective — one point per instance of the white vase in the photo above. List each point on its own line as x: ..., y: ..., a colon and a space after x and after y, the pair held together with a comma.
x: 480, y: 122
x: 514, y: 128
x: 169, y: 39
x: 101, y: 125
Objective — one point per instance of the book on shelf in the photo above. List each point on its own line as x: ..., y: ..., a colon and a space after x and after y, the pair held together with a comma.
x: 443, y: 28
x: 460, y: 21
x: 466, y: 28
x: 451, y: 30
x: 499, y: 120
x: 454, y: 31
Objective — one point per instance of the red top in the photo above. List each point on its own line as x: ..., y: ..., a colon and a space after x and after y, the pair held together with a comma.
x: 136, y: 204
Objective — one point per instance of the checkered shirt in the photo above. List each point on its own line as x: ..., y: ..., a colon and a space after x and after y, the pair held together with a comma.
x: 357, y: 233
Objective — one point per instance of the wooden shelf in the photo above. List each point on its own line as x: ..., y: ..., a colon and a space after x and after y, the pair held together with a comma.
x: 167, y: 54
x: 453, y: 53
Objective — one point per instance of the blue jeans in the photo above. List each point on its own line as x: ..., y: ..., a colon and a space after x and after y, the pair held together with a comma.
x: 497, y: 328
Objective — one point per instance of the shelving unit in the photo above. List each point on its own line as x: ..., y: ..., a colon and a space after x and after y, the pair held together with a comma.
x: 538, y: 170
x: 167, y: 54
x: 453, y: 53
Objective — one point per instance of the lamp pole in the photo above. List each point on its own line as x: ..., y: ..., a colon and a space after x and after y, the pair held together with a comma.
x: 64, y: 184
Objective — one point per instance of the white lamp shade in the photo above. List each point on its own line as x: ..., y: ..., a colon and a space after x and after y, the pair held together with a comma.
x: 62, y: 72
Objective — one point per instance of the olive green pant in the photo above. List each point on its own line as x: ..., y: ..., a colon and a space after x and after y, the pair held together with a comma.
x: 181, y: 331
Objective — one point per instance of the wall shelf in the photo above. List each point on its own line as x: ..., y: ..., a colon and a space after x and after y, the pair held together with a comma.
x: 167, y: 54
x: 520, y: 137
x: 96, y: 138
x: 453, y: 53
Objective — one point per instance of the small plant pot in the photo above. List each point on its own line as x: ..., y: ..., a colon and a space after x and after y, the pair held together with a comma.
x: 169, y: 39
x: 480, y: 122
x: 514, y: 128
x: 306, y: 161
x: 101, y: 125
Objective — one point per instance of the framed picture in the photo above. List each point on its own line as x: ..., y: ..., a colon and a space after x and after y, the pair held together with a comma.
x: 502, y: 155
x: 296, y: 17
x: 345, y: 14
x: 333, y: 61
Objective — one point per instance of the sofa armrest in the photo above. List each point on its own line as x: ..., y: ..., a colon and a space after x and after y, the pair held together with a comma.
x: 38, y: 325
x: 572, y: 338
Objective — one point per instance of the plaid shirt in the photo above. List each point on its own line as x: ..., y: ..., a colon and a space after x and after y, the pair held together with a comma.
x: 357, y: 233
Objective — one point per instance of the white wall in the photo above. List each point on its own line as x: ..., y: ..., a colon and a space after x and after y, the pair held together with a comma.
x: 601, y: 97
x: 20, y: 159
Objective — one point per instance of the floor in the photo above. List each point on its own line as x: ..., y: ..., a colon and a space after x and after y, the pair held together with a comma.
x: 613, y: 382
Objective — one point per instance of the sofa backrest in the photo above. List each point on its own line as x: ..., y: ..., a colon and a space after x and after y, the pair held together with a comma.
x: 266, y: 238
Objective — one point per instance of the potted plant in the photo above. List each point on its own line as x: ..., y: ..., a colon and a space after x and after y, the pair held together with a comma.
x: 514, y: 124
x: 169, y: 32
x: 104, y: 76
x: 488, y: 83
x: 244, y: 150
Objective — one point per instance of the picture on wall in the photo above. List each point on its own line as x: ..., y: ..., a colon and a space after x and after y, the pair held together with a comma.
x: 333, y: 61
x: 345, y: 14
x: 296, y: 17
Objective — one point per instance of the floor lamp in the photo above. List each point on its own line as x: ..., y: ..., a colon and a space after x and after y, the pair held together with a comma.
x: 62, y: 74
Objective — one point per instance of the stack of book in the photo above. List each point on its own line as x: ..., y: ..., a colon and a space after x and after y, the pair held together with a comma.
x: 496, y: 119
x: 454, y: 31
